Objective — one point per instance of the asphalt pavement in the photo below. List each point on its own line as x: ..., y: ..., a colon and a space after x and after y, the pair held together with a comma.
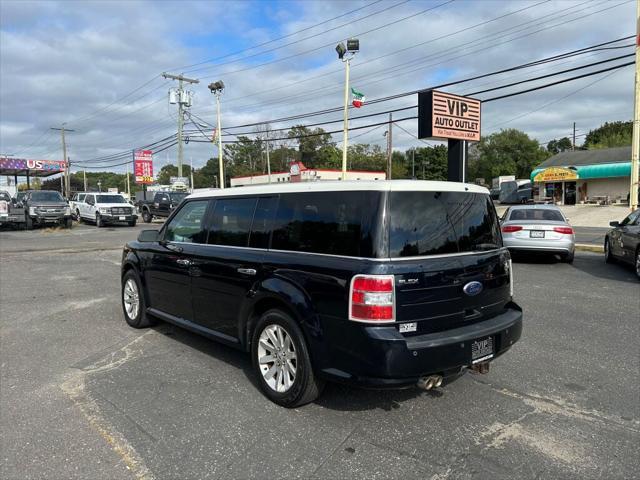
x: 84, y: 396
x: 590, y: 235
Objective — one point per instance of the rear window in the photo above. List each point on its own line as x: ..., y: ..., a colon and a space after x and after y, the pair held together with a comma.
x: 232, y: 221
x: 536, y: 214
x: 336, y: 223
x: 429, y: 223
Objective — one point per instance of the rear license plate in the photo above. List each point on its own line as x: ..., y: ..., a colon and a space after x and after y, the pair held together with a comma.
x: 536, y: 233
x: 122, y: 218
x: 481, y: 349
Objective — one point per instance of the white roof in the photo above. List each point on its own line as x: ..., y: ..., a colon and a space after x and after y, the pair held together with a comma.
x: 339, y: 186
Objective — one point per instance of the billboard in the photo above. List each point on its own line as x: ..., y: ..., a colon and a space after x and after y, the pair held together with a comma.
x: 446, y: 116
x: 143, y: 166
x: 53, y: 166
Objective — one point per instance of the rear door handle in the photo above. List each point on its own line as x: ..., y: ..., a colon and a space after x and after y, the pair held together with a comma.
x: 247, y: 271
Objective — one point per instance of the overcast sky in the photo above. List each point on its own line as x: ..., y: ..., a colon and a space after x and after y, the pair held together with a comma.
x: 96, y: 67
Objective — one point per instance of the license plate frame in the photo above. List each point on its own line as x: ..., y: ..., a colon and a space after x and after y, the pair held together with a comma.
x: 536, y: 234
x: 482, y: 349
x: 122, y: 218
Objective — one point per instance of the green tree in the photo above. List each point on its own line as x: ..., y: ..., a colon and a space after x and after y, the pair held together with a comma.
x: 310, y: 144
x: 613, y: 134
x: 557, y: 146
x: 508, y: 152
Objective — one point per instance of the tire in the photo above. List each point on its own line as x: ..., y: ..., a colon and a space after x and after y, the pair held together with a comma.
x: 132, y: 223
x: 271, y: 332
x: 78, y: 217
x: 68, y: 223
x: 146, y: 216
x: 135, y: 316
x: 99, y: 222
x: 638, y: 263
x: 568, y: 257
x: 28, y: 223
x: 608, y: 257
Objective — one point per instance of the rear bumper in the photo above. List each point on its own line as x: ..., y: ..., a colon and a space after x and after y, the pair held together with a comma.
x: 541, y: 245
x: 381, y: 357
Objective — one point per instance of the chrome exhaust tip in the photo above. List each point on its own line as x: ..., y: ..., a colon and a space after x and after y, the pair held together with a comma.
x: 427, y: 383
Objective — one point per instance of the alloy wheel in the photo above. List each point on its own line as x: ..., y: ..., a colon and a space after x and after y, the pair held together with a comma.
x: 131, y: 299
x: 277, y: 358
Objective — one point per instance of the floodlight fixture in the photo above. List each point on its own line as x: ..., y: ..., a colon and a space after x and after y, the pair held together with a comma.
x: 216, y: 87
x: 353, y: 45
x: 341, y: 49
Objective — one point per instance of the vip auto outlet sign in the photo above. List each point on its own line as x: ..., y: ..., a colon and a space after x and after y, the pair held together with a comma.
x: 143, y: 166
x: 446, y: 116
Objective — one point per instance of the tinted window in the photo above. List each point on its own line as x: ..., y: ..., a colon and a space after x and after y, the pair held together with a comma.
x: 631, y: 219
x: 88, y: 199
x: 428, y: 223
x: 111, y: 199
x: 536, y: 214
x: 336, y: 223
x: 45, y: 196
x: 262, y: 220
x: 232, y: 221
x: 188, y: 224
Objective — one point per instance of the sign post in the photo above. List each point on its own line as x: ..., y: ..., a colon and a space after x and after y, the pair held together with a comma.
x: 452, y: 117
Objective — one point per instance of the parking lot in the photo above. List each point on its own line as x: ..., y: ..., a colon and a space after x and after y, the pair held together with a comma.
x: 85, y: 396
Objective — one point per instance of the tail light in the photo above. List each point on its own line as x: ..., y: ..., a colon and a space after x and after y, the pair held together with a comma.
x: 563, y: 230
x: 372, y: 299
x: 511, y: 228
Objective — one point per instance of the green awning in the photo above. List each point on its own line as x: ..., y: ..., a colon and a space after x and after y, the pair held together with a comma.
x: 604, y: 170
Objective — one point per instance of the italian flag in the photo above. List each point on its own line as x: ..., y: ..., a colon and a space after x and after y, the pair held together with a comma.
x: 358, y: 98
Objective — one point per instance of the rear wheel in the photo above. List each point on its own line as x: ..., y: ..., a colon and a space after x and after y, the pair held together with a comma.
x: 133, y: 303
x: 568, y: 257
x: 607, y: 251
x: 281, y: 361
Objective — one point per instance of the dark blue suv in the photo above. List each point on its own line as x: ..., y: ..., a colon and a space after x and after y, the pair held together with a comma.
x: 383, y: 284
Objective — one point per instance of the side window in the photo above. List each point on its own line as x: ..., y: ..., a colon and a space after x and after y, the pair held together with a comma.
x: 188, y: 224
x: 262, y: 221
x: 323, y: 222
x: 232, y: 221
x: 89, y: 199
x: 75, y: 197
x: 156, y: 197
x: 632, y: 219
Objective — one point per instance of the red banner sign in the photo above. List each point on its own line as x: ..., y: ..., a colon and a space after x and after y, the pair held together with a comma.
x: 143, y: 166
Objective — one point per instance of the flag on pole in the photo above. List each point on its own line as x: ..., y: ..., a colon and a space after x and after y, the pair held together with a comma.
x: 358, y: 98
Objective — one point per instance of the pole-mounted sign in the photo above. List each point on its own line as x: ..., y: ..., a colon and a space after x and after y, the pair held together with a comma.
x: 143, y: 166
x: 443, y: 115
x: 450, y: 117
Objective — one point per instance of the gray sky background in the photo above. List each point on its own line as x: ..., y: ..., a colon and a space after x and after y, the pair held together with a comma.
x: 73, y: 62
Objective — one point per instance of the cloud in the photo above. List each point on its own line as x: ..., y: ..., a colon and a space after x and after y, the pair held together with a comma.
x: 69, y: 62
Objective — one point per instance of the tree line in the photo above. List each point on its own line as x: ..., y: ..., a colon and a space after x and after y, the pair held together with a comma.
x: 508, y: 152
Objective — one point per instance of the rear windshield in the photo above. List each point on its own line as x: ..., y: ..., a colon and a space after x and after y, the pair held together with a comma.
x: 178, y: 197
x: 46, y: 197
x: 536, y: 214
x: 429, y: 223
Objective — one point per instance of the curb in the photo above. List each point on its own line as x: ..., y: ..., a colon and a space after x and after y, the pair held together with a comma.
x: 589, y: 247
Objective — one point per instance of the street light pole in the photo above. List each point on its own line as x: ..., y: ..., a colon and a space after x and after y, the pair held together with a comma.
x: 217, y: 88
x: 346, y: 54
x: 635, y: 139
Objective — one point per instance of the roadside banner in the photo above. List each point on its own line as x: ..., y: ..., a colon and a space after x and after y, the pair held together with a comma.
x: 143, y: 166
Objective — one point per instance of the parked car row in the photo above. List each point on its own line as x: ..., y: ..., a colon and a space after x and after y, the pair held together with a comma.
x: 35, y: 207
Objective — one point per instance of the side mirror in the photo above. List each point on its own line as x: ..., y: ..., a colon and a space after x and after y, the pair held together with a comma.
x: 614, y: 224
x: 149, y: 236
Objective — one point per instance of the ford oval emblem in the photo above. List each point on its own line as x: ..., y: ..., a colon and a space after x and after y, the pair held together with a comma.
x: 472, y: 288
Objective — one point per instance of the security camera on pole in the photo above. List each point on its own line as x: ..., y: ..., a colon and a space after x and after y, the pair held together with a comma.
x: 346, y: 54
x: 217, y: 88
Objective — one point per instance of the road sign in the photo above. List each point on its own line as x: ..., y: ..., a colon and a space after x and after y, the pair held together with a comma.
x: 143, y: 166
x: 446, y: 116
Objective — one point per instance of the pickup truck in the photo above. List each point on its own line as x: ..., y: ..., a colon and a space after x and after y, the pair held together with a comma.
x: 106, y: 209
x: 43, y: 207
x: 74, y: 204
x: 162, y: 205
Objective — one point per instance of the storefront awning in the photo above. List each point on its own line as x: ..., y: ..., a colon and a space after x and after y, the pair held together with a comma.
x: 586, y: 172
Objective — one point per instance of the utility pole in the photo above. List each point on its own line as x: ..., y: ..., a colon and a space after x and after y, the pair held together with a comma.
x: 635, y: 140
x: 217, y: 88
x: 191, y: 173
x: 183, y: 98
x: 268, y: 161
x: 573, y: 143
x: 389, y: 146
x: 84, y: 177
x: 67, y: 187
x: 413, y: 163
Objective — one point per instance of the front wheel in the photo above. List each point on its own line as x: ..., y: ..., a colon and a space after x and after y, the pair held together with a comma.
x: 281, y: 361
x: 99, y: 221
x: 132, y: 223
x: 146, y: 216
x: 78, y: 217
x: 28, y: 222
x: 607, y: 251
x: 133, y: 303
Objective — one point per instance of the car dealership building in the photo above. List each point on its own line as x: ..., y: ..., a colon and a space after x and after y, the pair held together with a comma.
x: 584, y: 176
